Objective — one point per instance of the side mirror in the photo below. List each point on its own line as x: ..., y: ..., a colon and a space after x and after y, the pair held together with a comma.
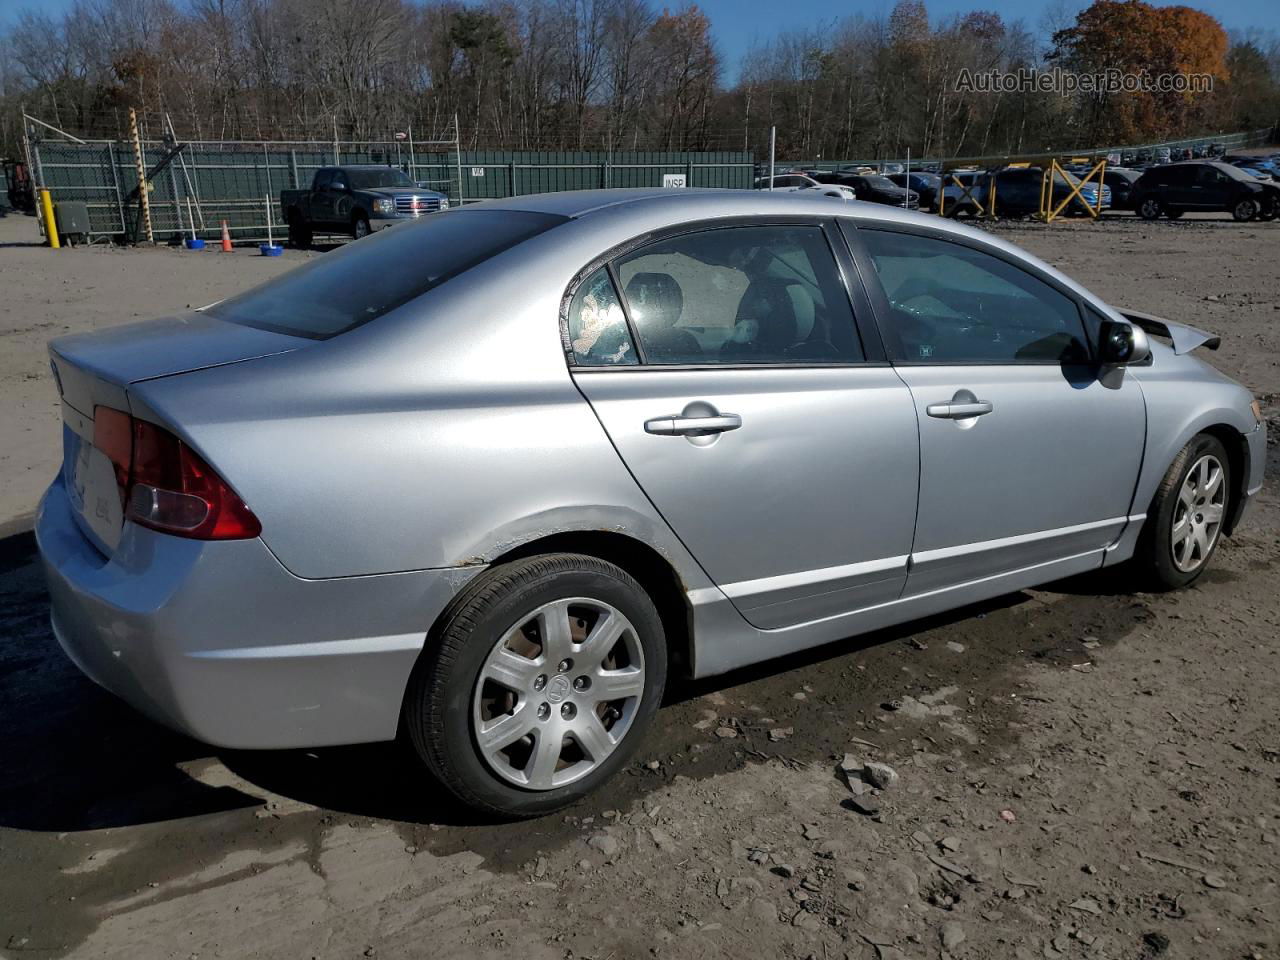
x: 1122, y: 343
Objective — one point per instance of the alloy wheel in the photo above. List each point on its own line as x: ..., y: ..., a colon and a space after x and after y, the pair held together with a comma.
x: 558, y: 693
x: 1197, y: 516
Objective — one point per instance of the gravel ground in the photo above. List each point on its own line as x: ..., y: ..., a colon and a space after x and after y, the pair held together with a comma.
x: 1081, y: 771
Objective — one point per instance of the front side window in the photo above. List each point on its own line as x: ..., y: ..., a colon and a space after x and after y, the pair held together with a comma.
x: 597, y: 326
x: 740, y: 295
x: 949, y: 303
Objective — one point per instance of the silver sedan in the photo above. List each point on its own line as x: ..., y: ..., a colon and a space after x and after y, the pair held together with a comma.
x: 495, y: 477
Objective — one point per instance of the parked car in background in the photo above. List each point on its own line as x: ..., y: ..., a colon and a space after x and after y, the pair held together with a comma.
x: 875, y: 188
x: 836, y: 190
x: 1204, y: 186
x: 1120, y: 181
x: 295, y: 519
x: 355, y: 200
x: 926, y: 186
x: 1018, y: 193
x: 787, y: 181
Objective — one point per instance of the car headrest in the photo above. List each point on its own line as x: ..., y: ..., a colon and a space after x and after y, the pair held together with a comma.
x: 768, y: 302
x: 655, y: 299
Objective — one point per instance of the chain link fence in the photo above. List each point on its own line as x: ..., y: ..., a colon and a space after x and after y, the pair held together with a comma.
x: 208, y: 182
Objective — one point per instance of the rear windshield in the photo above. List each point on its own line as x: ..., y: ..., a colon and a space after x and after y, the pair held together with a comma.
x: 366, y: 179
x: 364, y: 279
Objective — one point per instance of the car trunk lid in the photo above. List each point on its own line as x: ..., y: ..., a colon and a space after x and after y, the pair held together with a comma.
x: 95, y: 370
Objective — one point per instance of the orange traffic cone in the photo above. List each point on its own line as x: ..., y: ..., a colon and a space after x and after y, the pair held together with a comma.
x: 226, y: 238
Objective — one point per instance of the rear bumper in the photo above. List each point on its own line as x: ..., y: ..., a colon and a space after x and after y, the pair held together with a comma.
x: 221, y: 642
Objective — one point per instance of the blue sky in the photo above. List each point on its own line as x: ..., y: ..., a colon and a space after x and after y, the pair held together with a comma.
x: 738, y: 24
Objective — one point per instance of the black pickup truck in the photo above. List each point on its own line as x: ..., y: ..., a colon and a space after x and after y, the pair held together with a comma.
x: 355, y: 201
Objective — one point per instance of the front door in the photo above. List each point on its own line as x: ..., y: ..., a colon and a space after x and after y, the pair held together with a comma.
x: 1027, y: 454
x: 728, y: 370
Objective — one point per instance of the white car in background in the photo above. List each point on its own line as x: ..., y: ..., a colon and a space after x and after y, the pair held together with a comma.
x: 836, y: 190
x: 789, y: 182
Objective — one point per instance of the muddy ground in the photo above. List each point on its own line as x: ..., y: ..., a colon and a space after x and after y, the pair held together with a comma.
x: 1084, y: 772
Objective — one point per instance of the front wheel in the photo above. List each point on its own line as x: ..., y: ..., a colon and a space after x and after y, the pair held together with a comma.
x: 1150, y: 209
x: 1244, y: 211
x: 360, y: 227
x: 1184, y: 522
x: 1270, y: 210
x: 538, y: 685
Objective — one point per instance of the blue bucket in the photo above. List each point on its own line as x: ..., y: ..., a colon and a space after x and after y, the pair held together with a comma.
x: 194, y: 243
x: 270, y: 249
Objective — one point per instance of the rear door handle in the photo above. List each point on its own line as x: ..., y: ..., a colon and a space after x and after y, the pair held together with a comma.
x: 959, y: 411
x: 692, y: 426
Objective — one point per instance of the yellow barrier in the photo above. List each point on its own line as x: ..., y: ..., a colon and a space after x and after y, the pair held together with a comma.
x: 1048, y: 212
x: 50, y: 224
x: 966, y: 193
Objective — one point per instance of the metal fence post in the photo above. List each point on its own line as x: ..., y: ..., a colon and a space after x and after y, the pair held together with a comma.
x: 457, y: 153
x: 511, y: 176
x: 293, y: 169
x: 115, y: 180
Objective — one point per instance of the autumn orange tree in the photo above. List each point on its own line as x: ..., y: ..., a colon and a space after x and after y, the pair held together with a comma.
x: 1136, y: 38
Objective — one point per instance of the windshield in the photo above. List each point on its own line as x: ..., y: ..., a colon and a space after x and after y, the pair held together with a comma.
x: 882, y: 182
x: 366, y: 179
x: 365, y: 279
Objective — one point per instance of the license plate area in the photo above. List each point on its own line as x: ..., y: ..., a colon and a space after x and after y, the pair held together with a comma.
x: 91, y: 486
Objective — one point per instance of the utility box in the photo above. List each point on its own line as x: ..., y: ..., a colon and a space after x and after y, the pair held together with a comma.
x: 72, y: 217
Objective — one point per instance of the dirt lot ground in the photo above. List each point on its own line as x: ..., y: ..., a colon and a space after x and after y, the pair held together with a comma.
x: 1083, y: 772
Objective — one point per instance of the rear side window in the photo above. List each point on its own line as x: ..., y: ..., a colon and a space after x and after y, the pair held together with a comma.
x: 597, y: 326
x: 740, y: 295
x: 949, y: 303
x: 365, y: 279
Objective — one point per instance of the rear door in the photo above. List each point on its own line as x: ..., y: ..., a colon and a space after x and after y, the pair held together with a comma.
x: 1027, y: 454
x: 728, y: 368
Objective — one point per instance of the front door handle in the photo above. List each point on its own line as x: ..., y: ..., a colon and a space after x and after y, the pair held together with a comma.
x: 692, y: 426
x: 959, y: 411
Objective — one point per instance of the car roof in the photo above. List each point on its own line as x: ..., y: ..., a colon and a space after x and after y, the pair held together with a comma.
x: 656, y: 208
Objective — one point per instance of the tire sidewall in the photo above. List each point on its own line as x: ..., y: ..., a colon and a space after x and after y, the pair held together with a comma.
x: 457, y: 747
x: 355, y: 228
x: 1247, y: 207
x: 1149, y: 209
x: 1165, y: 570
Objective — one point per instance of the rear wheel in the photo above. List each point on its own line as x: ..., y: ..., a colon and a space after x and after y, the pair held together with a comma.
x: 538, y: 685
x: 1184, y: 522
x: 1150, y: 209
x: 1244, y: 210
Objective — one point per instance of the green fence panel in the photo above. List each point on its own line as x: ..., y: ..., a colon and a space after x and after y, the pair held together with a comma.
x: 240, y: 183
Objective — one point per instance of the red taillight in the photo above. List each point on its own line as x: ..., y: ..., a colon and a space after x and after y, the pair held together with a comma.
x: 165, y: 485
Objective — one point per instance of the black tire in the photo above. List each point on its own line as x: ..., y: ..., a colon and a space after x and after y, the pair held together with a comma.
x: 1244, y: 210
x: 1270, y: 210
x: 360, y: 226
x: 299, y: 231
x: 1149, y: 208
x: 1153, y: 560
x: 438, y: 702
